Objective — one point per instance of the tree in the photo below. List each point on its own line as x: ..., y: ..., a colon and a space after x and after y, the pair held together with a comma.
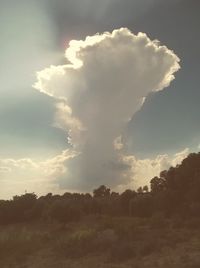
x: 64, y: 211
x: 145, y: 189
x: 102, y: 191
x: 140, y: 190
x: 141, y: 205
x: 125, y: 199
x: 157, y: 184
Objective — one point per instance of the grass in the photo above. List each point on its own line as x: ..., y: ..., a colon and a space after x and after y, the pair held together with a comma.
x: 102, y: 242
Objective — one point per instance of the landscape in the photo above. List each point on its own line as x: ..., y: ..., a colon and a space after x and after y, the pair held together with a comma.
x: 99, y: 134
x: 156, y: 227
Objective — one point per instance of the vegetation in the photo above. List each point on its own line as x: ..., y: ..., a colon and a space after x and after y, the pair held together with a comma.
x: 156, y: 227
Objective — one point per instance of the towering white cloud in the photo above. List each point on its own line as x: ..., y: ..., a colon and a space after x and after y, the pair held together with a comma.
x: 106, y: 82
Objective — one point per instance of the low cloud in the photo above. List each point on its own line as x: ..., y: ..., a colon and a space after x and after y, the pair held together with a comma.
x: 106, y: 82
x: 25, y: 174
x: 143, y: 170
x: 41, y: 177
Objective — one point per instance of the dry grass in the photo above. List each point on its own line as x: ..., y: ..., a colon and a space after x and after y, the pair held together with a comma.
x: 106, y: 243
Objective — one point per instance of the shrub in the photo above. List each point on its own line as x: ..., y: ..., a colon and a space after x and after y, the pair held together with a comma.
x: 64, y: 212
x: 149, y: 246
x: 193, y: 223
x: 77, y: 244
x: 105, y: 239
x: 121, y: 251
x: 158, y: 221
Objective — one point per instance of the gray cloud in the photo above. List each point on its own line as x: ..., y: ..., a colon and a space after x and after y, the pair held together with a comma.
x: 76, y: 19
x: 27, y: 44
x: 26, y: 127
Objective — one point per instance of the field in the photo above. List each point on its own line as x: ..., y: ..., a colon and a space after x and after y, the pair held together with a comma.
x: 102, y: 242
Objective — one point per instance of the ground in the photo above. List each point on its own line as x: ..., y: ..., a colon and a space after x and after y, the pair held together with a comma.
x: 102, y: 242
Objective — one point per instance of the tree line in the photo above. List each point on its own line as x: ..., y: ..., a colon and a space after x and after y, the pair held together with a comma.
x: 175, y: 192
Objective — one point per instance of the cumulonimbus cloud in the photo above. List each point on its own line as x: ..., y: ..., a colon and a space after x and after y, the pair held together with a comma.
x: 98, y: 92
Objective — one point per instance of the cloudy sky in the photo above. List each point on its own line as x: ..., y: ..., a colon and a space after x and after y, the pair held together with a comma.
x: 104, y: 110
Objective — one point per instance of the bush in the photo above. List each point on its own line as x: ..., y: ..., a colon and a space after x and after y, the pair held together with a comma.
x: 77, y: 244
x: 121, y: 251
x: 105, y: 239
x: 148, y: 247
x: 18, y: 245
x: 193, y: 223
x: 64, y: 212
x: 177, y: 222
x: 158, y: 221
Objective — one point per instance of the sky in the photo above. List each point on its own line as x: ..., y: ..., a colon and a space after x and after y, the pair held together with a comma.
x: 73, y: 128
